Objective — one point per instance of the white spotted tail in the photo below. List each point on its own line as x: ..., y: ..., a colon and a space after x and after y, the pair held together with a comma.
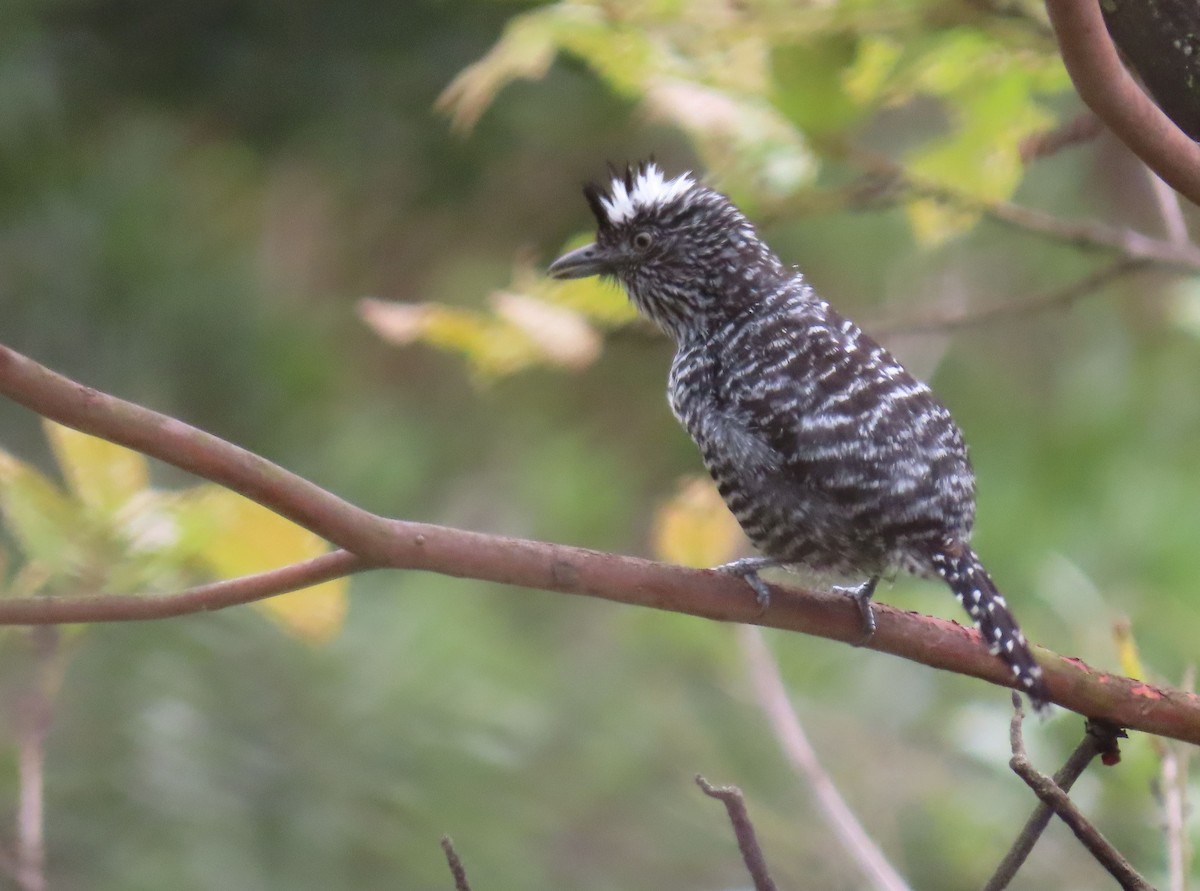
x: 962, y: 570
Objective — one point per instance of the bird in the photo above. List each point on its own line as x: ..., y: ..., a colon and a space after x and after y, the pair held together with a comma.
x: 830, y: 454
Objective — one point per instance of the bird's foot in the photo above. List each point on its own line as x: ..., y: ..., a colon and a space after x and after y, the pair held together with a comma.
x: 747, y: 568
x: 862, y: 595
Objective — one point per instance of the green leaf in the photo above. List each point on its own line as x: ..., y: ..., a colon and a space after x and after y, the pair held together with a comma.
x: 809, y: 85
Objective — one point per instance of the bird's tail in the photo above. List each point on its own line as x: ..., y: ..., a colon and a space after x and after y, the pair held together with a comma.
x: 960, y: 568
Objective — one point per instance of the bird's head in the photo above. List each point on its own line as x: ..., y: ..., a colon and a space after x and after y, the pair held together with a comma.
x: 685, y: 255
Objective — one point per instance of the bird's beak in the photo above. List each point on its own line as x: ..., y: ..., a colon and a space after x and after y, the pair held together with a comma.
x: 580, y: 263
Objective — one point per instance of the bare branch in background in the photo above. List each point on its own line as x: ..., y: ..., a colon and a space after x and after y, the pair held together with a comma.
x: 1098, y: 738
x: 1173, y: 789
x: 886, y: 182
x: 1110, y: 91
x: 1058, y: 298
x: 1082, y: 128
x: 743, y: 830
x: 785, y: 723
x: 202, y: 598
x: 455, y: 864
x: 1052, y: 795
x: 34, y: 713
x: 400, y: 544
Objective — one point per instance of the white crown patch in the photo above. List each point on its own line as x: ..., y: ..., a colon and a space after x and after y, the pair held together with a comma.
x: 646, y: 188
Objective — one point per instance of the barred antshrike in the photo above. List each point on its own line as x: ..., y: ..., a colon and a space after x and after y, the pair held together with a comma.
x: 829, y: 453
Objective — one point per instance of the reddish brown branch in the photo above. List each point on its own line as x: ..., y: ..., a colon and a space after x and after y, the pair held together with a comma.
x: 1107, y: 88
x: 743, y: 830
x: 378, y: 541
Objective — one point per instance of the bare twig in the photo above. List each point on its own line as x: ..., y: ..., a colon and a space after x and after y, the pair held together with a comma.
x: 773, y: 699
x: 888, y: 182
x: 1105, y: 85
x: 1173, y: 776
x: 455, y: 864
x: 1053, y: 299
x: 202, y: 598
x: 1170, y: 210
x: 1091, y: 234
x: 743, y: 830
x: 32, y: 725
x: 1051, y: 794
x: 378, y: 541
x: 1097, y: 739
x: 1081, y: 128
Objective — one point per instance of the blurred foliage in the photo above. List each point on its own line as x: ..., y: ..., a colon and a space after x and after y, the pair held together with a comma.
x: 194, y: 198
x: 760, y: 88
x: 110, y: 532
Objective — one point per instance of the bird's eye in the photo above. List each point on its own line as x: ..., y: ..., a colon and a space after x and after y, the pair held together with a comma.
x: 642, y: 240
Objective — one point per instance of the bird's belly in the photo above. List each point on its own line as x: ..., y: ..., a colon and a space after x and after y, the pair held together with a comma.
x: 869, y: 520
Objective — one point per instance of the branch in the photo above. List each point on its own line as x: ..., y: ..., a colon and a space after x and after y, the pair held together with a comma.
x: 34, y: 713
x: 202, y: 598
x: 887, y: 182
x: 1053, y: 299
x: 1053, y: 796
x: 455, y: 864
x: 1081, y: 128
x: 773, y: 699
x: 743, y: 829
x: 1107, y: 88
x: 399, y: 544
x: 1090, y: 234
x: 1098, y: 738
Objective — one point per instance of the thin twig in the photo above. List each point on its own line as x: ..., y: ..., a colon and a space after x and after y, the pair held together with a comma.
x: 773, y: 700
x: 1097, y: 739
x: 1170, y: 775
x: 455, y: 864
x: 1051, y: 794
x: 1105, y: 85
x: 743, y: 830
x: 32, y: 726
x: 378, y: 541
x: 1081, y: 128
x: 201, y: 598
x: 1090, y: 234
x: 1174, y: 781
x: 889, y: 182
x: 1054, y: 299
x: 1170, y: 210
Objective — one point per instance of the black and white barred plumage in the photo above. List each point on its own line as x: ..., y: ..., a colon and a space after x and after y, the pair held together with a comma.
x: 829, y: 453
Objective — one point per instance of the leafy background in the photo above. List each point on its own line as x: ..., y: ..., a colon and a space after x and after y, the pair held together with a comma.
x: 316, y: 229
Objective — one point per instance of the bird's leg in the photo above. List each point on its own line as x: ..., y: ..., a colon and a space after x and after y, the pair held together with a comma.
x: 862, y: 595
x: 747, y: 568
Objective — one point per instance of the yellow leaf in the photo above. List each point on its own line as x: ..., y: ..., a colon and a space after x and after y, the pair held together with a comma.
x: 101, y: 474
x: 695, y: 528
x: 247, y: 538
x: 315, y: 614
x: 1127, y: 650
